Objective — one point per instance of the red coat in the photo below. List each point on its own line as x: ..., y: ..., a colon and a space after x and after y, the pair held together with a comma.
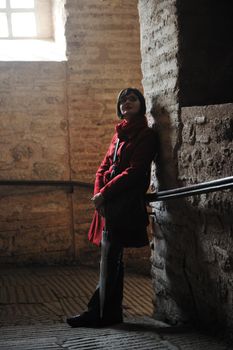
x: 136, y: 151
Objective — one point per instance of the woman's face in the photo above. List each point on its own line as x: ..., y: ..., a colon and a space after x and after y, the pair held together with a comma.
x: 129, y: 106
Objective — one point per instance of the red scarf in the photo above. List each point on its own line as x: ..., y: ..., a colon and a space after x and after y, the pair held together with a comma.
x: 129, y: 129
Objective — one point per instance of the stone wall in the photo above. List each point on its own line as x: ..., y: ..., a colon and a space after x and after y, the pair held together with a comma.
x: 206, y: 154
x: 57, y: 119
x: 159, y: 49
x: 192, y: 255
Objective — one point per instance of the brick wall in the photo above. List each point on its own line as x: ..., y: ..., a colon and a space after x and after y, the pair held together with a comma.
x: 57, y: 120
x: 103, y: 58
x: 35, y: 222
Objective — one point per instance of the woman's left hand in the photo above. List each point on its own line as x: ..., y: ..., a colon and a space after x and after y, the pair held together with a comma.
x: 98, y: 200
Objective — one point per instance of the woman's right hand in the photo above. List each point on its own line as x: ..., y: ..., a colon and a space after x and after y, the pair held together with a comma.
x: 98, y: 200
x: 101, y: 211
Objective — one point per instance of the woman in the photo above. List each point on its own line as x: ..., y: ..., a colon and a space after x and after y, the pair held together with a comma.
x: 120, y: 186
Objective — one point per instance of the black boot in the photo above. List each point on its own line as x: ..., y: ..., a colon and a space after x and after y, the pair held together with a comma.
x: 87, y: 319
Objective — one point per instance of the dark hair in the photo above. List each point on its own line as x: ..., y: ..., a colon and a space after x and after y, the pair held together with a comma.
x: 126, y: 92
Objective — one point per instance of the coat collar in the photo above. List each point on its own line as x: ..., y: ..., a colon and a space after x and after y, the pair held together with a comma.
x: 128, y: 130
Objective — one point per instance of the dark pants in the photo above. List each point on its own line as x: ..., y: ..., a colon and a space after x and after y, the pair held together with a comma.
x: 114, y: 285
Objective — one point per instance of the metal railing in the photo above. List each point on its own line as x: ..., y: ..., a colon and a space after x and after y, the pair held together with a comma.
x: 204, y: 187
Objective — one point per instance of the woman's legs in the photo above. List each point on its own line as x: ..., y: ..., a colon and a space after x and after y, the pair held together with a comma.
x: 112, y: 311
x: 114, y: 285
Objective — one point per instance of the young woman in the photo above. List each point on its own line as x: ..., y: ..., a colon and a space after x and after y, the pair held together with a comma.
x: 120, y: 186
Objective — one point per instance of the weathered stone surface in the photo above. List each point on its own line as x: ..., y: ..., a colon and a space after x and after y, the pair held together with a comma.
x: 192, y: 256
x: 35, y: 226
x: 212, y: 143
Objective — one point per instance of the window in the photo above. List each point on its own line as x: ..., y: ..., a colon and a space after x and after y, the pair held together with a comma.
x: 32, y: 30
x: 25, y: 19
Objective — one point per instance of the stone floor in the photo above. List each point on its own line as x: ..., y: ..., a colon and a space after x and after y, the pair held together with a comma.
x: 34, y: 302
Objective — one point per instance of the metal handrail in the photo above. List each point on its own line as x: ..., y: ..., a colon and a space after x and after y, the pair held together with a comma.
x: 204, y: 187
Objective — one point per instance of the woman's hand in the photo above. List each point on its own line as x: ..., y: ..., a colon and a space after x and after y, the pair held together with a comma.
x: 98, y: 200
x: 101, y: 211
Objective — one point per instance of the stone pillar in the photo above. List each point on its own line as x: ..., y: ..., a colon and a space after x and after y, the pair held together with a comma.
x: 192, y: 256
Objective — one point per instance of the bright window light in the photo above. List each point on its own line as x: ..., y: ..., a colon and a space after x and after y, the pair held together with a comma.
x: 3, y: 26
x: 26, y: 19
x: 26, y: 4
x: 2, y: 4
x: 32, y: 30
x: 23, y: 24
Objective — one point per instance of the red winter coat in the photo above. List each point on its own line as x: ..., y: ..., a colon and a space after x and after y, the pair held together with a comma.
x: 137, y: 149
